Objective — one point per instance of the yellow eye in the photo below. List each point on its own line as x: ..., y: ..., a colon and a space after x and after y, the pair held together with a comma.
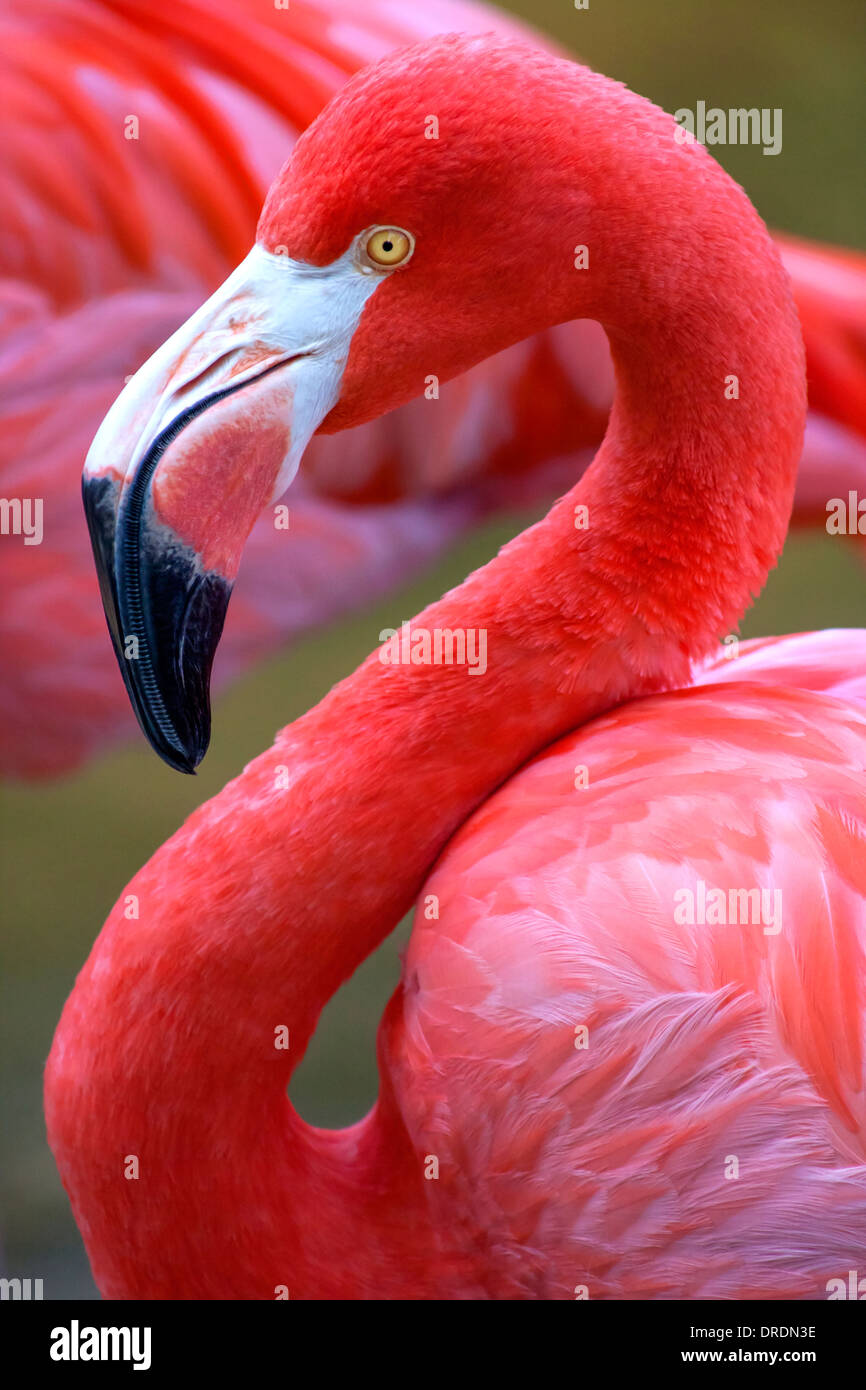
x: 389, y: 246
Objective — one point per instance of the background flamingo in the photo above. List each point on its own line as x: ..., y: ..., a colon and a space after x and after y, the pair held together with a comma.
x: 109, y: 243
x: 602, y: 1169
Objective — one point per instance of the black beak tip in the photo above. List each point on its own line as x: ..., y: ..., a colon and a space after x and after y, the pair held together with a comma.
x: 170, y: 750
x: 182, y: 610
x: 165, y: 614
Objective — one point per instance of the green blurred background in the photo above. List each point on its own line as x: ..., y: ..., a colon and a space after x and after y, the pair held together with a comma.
x: 69, y: 848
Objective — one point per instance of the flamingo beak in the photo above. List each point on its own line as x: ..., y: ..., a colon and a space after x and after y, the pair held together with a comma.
x: 205, y: 435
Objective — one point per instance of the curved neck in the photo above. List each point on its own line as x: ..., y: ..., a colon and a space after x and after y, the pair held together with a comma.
x: 252, y: 915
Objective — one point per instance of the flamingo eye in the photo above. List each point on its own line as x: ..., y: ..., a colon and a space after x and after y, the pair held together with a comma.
x: 388, y: 246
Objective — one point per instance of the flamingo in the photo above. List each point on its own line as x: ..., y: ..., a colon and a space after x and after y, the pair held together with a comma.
x: 132, y: 233
x: 584, y: 1091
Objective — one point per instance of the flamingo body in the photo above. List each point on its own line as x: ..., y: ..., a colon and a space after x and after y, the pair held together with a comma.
x: 704, y: 1042
x: 603, y: 1169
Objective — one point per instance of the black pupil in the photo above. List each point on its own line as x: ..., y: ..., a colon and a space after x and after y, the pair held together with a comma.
x: 387, y: 246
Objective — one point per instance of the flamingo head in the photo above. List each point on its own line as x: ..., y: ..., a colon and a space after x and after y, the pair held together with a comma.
x: 427, y: 219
